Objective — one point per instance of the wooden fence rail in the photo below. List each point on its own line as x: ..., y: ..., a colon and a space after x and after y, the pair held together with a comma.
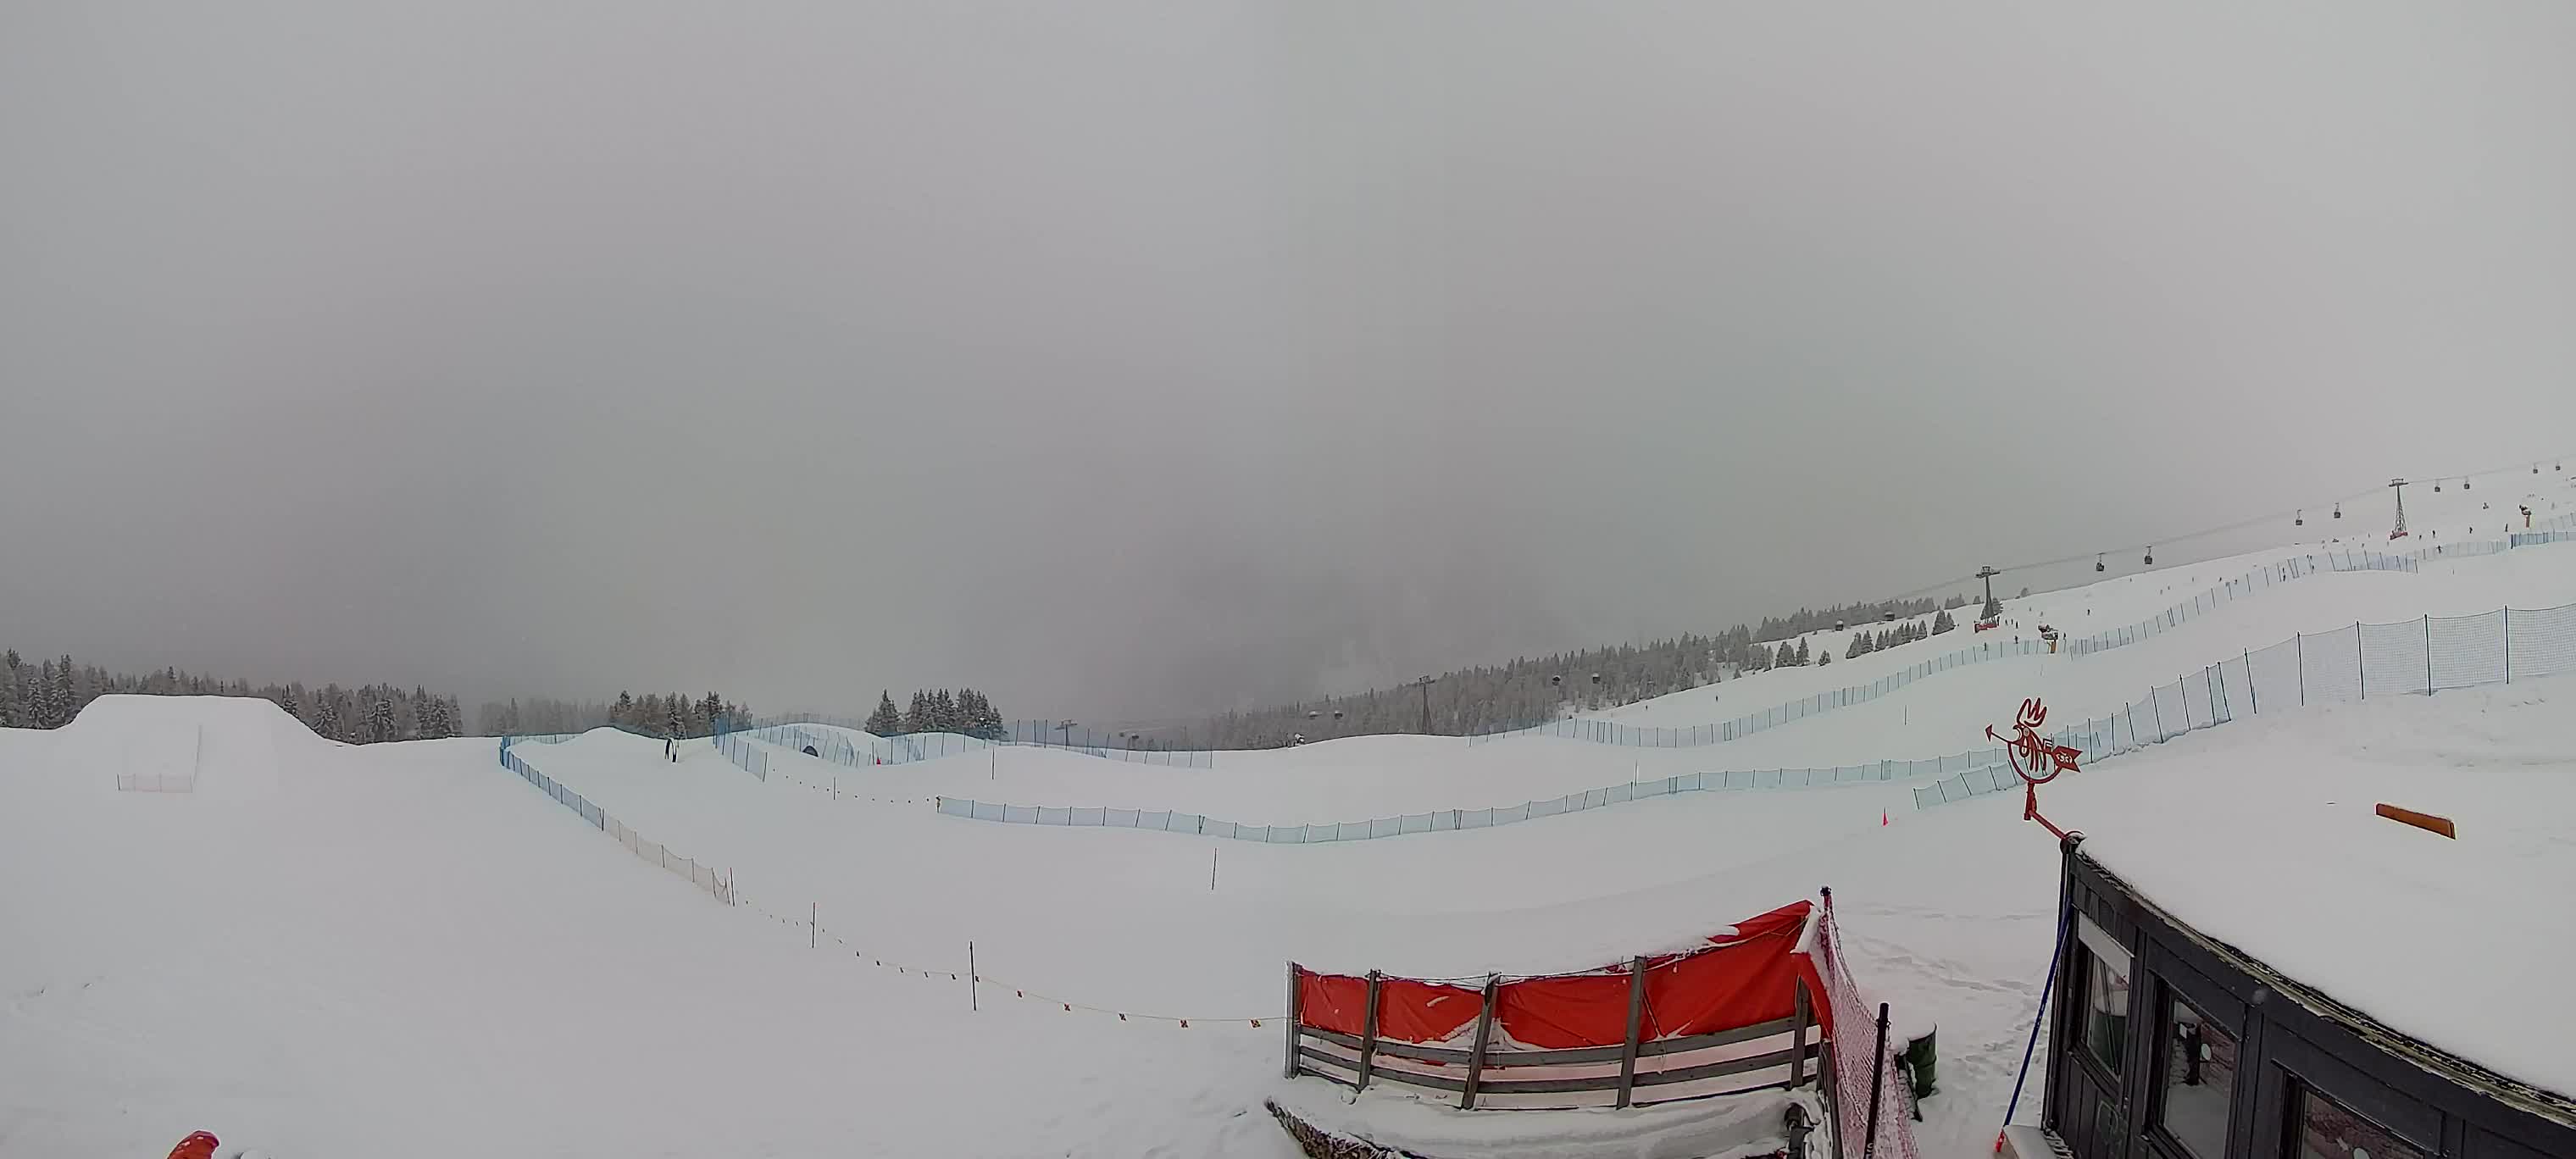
x: 1484, y: 1072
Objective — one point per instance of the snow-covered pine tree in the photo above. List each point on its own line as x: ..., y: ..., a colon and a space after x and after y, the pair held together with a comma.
x: 1994, y: 609
x: 380, y: 720
x: 623, y: 709
x: 943, y: 712
x: 1853, y: 649
x: 885, y: 721
x: 987, y: 721
x: 917, y: 717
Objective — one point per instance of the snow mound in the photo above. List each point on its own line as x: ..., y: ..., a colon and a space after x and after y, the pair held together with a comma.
x: 223, y: 746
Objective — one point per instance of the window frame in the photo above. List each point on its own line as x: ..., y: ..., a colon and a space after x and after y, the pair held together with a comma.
x: 2295, y: 1064
x: 2294, y: 1096
x: 2095, y: 942
x: 2239, y: 1092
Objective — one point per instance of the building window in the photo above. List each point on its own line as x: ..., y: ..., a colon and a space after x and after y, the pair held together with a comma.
x: 2326, y: 1129
x: 2199, y: 1076
x: 2105, y: 1032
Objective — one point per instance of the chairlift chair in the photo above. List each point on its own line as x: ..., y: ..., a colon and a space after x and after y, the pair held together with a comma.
x: 2338, y: 510
x: 2300, y: 519
x: 2151, y: 556
x: 2097, y: 561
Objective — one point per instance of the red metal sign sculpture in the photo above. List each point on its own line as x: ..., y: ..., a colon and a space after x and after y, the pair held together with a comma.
x: 2035, y: 758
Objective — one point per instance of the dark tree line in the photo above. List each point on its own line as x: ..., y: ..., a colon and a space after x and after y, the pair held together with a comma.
x: 50, y: 693
x: 1865, y: 642
x: 965, y: 712
x: 1532, y: 690
x: 675, y: 715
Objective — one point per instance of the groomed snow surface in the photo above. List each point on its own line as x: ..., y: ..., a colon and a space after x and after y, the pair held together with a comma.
x: 403, y: 950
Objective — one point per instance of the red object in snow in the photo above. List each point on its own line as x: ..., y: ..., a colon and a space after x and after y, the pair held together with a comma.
x: 1743, y: 977
x: 1982, y: 625
x: 198, y: 1145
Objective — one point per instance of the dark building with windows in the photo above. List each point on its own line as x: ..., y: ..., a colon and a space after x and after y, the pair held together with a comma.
x: 2165, y: 1043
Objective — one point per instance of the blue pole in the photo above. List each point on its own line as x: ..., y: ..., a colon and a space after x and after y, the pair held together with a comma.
x: 2064, y: 924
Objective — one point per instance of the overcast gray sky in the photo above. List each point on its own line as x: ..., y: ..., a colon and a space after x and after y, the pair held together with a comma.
x: 1137, y: 359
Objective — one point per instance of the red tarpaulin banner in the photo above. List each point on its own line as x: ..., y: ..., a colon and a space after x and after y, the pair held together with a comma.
x: 1747, y: 977
x: 1407, y: 1010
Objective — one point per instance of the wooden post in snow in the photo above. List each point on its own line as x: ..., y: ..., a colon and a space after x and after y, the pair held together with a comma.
x: 1636, y: 1023
x: 1484, y: 1035
x: 1295, y: 1010
x: 1368, y: 1029
x: 1798, y: 1038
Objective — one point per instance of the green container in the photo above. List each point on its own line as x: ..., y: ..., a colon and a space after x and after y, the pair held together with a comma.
x: 1918, y: 1064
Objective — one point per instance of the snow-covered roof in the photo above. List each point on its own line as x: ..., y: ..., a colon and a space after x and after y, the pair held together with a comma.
x: 2268, y: 840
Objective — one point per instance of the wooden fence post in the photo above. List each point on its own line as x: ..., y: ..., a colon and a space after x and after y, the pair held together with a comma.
x: 1295, y: 1009
x: 1798, y: 1039
x: 1484, y: 1035
x: 1368, y: 1029
x: 1636, y: 1023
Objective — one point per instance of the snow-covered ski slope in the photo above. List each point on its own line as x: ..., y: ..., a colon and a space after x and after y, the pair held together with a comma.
x: 406, y: 950
x: 2482, y: 514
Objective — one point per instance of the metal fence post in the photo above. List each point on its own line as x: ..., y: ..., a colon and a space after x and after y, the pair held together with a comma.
x: 2252, y: 698
x: 2299, y: 645
x: 2428, y: 654
x: 1636, y: 1022
x: 1484, y: 1034
x: 2508, y: 644
x: 2360, y: 664
x: 1877, y: 1079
